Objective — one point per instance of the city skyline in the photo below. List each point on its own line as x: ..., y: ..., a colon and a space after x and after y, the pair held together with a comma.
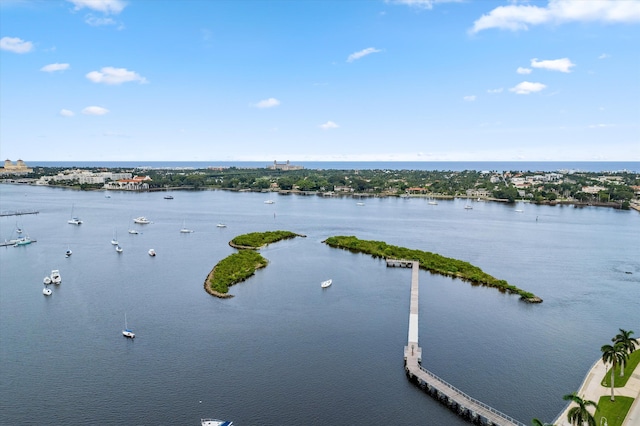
x: 395, y: 80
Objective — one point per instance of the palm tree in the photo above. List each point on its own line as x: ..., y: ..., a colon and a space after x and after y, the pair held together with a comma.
x: 580, y: 415
x: 628, y: 342
x: 616, y: 355
x: 537, y: 422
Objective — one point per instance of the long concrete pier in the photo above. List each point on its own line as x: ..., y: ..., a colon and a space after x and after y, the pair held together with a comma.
x: 458, y: 401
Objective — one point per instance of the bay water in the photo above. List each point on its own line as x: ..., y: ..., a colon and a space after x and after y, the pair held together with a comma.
x: 283, y: 351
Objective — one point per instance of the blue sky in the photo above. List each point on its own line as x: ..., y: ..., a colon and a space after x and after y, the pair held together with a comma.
x: 326, y: 80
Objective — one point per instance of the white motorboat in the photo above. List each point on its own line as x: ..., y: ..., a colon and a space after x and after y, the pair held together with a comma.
x: 118, y: 248
x: 269, y: 202
x: 133, y: 231
x: 46, y: 291
x: 47, y: 280
x: 221, y: 225
x: 359, y: 204
x: 56, y: 278
x: 152, y: 252
x: 141, y: 220
x: 68, y: 252
x: 325, y: 284
x: 215, y: 422
x: 468, y: 207
x: 127, y: 332
x: 22, y: 241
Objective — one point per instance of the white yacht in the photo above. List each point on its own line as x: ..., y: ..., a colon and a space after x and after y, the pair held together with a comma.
x: 141, y: 220
x: 152, y: 252
x: 215, y: 422
x: 46, y: 291
x: 56, y: 278
x: 325, y: 284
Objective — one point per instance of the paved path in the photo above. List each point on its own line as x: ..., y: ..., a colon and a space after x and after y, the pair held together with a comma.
x: 591, y: 389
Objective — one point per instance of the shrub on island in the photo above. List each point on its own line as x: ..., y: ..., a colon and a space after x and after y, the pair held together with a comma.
x: 430, y: 261
x: 232, y: 270
x: 256, y: 240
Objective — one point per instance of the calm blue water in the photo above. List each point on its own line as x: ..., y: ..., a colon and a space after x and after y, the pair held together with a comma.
x: 548, y: 166
x: 283, y: 351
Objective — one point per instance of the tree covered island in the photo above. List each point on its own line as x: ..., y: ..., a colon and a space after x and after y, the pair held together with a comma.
x: 430, y: 261
x: 239, y: 266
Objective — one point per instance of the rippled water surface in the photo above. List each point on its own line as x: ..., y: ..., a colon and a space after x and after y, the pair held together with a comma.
x: 283, y: 351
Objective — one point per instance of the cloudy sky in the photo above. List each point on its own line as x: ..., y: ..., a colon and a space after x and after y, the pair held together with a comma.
x: 329, y: 80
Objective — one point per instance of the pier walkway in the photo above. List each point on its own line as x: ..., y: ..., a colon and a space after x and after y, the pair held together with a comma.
x: 18, y: 212
x: 466, y: 406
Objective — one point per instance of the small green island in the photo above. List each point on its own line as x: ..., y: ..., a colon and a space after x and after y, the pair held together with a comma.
x: 431, y: 262
x: 240, y: 266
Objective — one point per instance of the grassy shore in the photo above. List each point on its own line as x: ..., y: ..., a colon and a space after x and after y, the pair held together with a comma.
x: 631, y: 364
x: 614, y: 412
x: 431, y: 262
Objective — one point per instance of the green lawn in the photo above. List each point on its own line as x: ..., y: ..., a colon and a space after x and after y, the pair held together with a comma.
x: 614, y: 412
x: 632, y: 363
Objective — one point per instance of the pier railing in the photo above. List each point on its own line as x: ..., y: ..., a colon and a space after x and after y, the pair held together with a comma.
x: 471, y: 399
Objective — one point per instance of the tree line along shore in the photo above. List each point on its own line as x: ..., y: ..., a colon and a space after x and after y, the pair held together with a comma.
x: 241, y: 265
x: 612, y: 189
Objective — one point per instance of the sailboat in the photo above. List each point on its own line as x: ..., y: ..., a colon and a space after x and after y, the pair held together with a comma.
x: 126, y: 332
x: 68, y: 252
x: 118, y: 248
x: 114, y: 240
x: 75, y: 220
x: 184, y: 229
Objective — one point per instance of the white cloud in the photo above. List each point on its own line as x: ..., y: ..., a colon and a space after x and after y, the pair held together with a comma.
x: 521, y: 70
x: 95, y: 110
x: 604, y: 56
x: 66, y: 113
x: 470, y: 98
x: 54, y: 67
x: 600, y: 126
x: 98, y: 22
x: 267, y: 103
x: 527, y: 87
x: 519, y: 17
x: 362, y: 53
x: 110, y: 75
x: 492, y: 91
x: 328, y: 125
x: 422, y: 4
x: 562, y: 65
x: 105, y: 6
x: 15, y: 45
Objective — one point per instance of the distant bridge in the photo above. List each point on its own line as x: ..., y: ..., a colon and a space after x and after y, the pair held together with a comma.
x: 458, y: 401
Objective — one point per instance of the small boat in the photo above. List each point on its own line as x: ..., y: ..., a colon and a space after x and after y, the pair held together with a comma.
x: 47, y: 280
x: 23, y: 241
x: 168, y: 197
x: 185, y: 230
x: 118, y: 248
x: 18, y: 229
x: 56, y: 278
x: 107, y: 195
x: 325, y: 284
x: 46, y: 291
x: 133, y: 231
x: 432, y: 202
x: 269, y: 202
x: 359, y: 204
x: 221, y: 225
x: 152, y: 252
x: 126, y: 332
x: 68, y: 253
x: 215, y: 422
x: 75, y: 220
x: 518, y: 210
x: 141, y: 220
x: 114, y: 240
x: 468, y: 207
